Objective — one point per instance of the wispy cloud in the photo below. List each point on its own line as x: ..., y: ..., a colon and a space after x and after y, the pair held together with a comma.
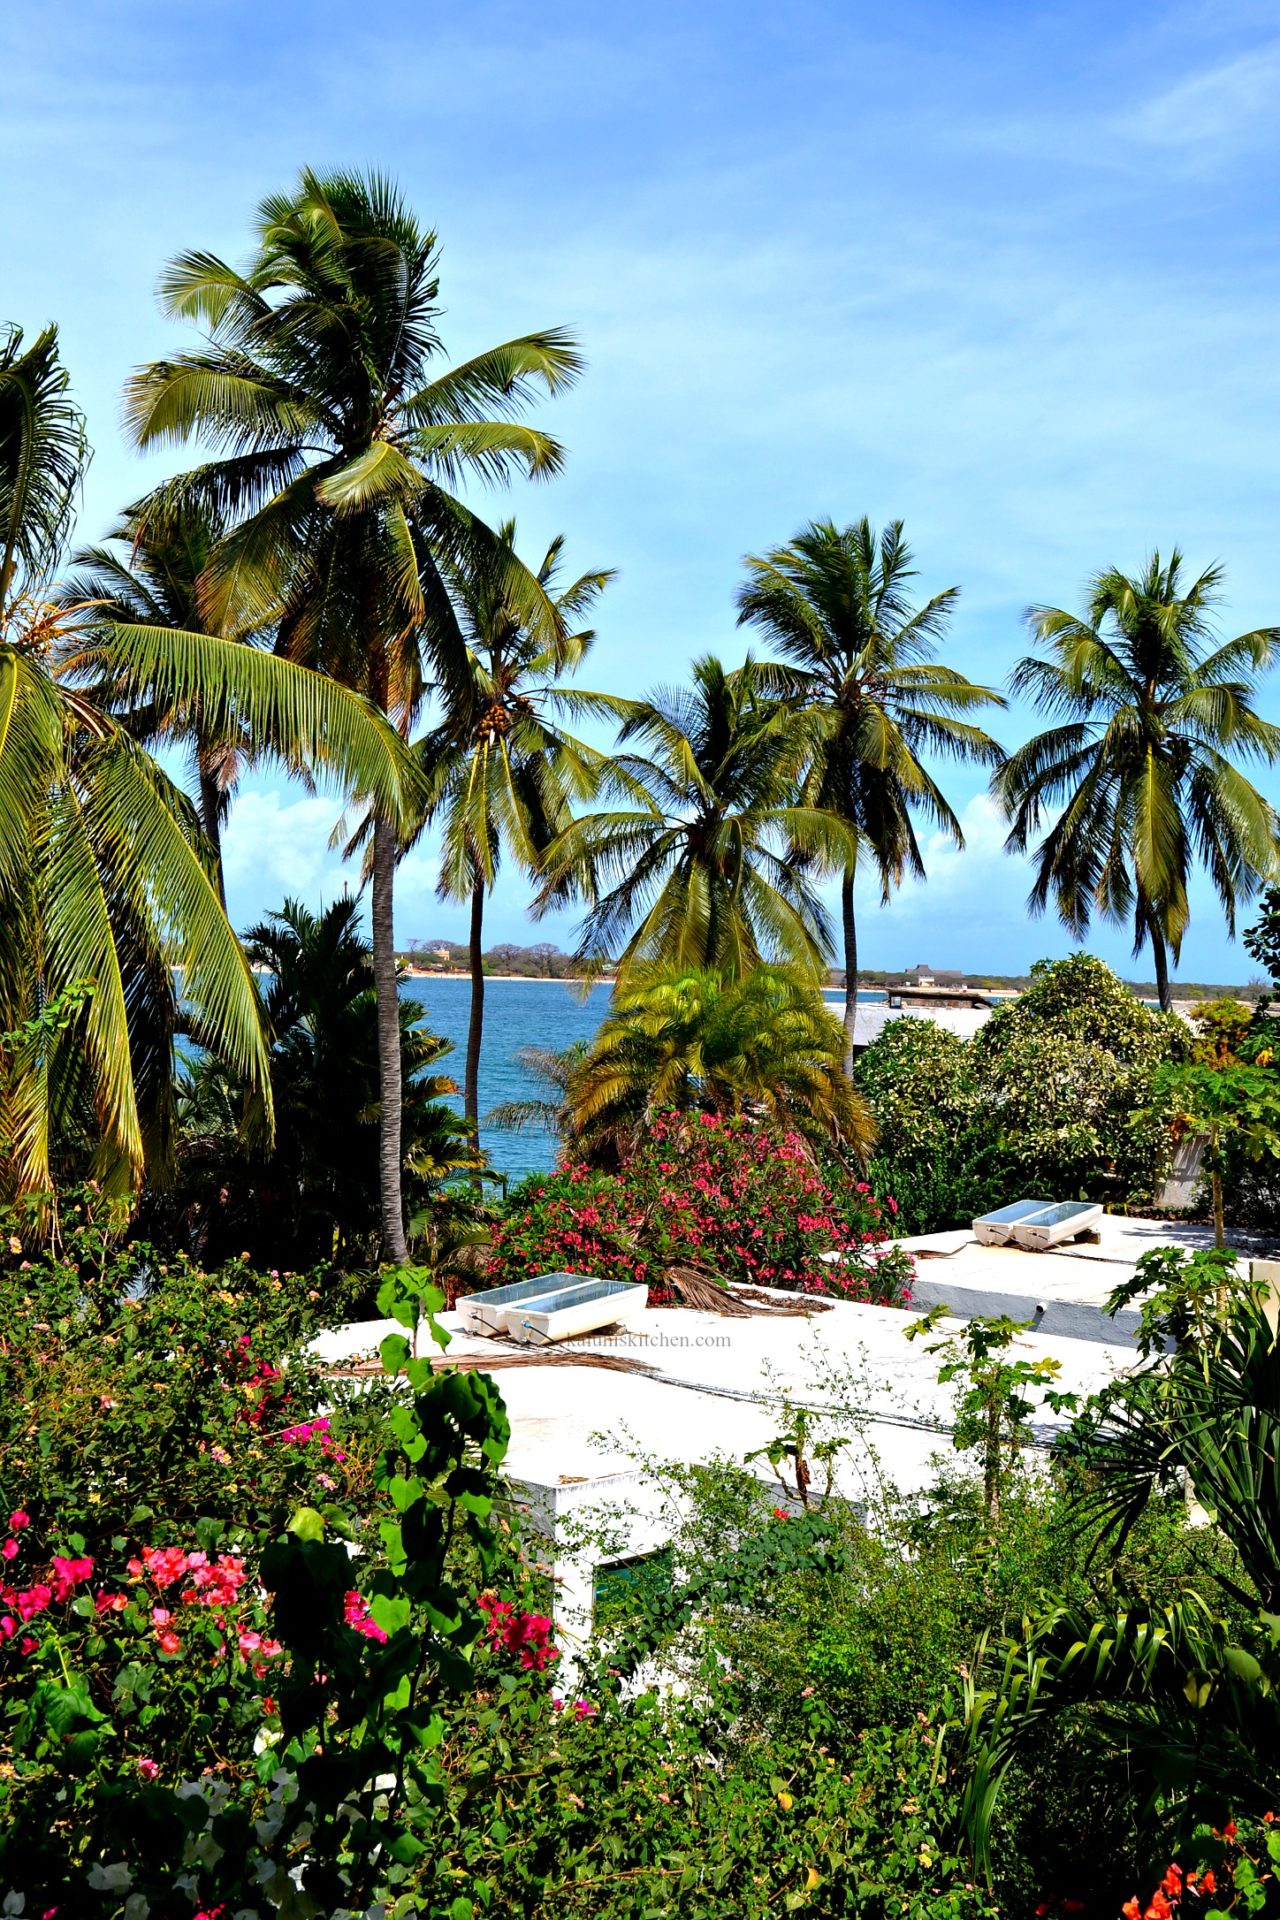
x: 1222, y: 108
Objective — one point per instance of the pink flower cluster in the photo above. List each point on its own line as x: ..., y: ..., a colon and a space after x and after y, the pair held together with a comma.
x: 528, y: 1635
x: 582, y: 1709
x: 21, y: 1605
x: 355, y: 1611
x: 309, y: 1430
x: 208, y: 1583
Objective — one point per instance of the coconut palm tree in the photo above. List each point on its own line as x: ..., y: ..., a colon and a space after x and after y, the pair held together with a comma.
x: 835, y: 603
x: 106, y: 884
x: 502, y: 771
x: 713, y: 867
x: 336, y: 448
x: 149, y: 574
x: 763, y: 1044
x: 1138, y: 783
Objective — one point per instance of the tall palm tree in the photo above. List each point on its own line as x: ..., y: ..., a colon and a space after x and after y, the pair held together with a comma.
x: 502, y: 771
x: 764, y: 1044
x: 149, y: 574
x: 836, y: 605
x: 336, y: 447
x: 712, y: 867
x: 1140, y: 774
x: 105, y: 879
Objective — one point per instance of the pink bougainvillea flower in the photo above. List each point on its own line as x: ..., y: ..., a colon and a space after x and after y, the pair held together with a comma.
x: 104, y: 1602
x: 19, y: 1520
x: 355, y: 1612
x: 168, y: 1641
x: 9, y: 1551
x: 148, y: 1770
x: 69, y: 1574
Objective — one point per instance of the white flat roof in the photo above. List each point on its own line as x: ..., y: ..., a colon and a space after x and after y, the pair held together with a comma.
x: 1063, y: 1290
x: 719, y: 1387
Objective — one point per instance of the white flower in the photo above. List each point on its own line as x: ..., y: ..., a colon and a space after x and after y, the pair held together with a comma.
x: 14, y: 1903
x: 117, y: 1878
x: 137, y: 1907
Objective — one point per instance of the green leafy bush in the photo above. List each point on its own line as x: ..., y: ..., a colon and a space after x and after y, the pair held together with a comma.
x: 1067, y: 1073
x: 1058, y: 1093
x: 935, y: 1152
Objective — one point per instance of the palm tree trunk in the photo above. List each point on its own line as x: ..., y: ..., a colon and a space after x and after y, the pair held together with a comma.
x: 394, y: 1246
x: 849, y: 926
x: 211, y: 821
x: 475, y: 1025
x: 1160, y: 954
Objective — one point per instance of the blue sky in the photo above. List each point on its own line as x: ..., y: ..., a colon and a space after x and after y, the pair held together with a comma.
x: 1006, y: 271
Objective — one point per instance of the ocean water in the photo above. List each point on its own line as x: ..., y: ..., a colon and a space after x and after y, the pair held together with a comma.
x: 517, y: 1013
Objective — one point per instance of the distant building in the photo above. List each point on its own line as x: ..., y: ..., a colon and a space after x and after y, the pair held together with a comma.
x: 926, y: 976
x: 925, y: 993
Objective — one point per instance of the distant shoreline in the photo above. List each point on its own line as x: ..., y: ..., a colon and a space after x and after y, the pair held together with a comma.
x: 526, y: 979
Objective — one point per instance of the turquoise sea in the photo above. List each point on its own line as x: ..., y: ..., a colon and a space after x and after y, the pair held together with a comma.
x: 517, y: 1013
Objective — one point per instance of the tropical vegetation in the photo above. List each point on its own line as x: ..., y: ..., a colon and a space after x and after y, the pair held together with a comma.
x: 1064, y: 1091
x: 725, y: 1199
x: 310, y: 1196
x: 336, y: 446
x: 693, y: 1041
x: 857, y: 656
x: 277, y: 1631
x: 1155, y: 712
x: 109, y: 891
x: 715, y: 865
x: 500, y: 770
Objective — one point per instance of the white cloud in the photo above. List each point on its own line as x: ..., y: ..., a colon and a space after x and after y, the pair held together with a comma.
x: 1223, y: 107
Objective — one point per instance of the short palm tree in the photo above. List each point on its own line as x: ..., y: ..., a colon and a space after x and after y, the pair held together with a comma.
x: 764, y: 1044
x: 1139, y: 782
x: 835, y: 603
x: 106, y: 883
x: 714, y: 866
x: 502, y: 770
x: 149, y: 574
x: 336, y: 448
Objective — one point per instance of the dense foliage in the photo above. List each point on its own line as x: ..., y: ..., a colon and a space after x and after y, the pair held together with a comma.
x: 741, y: 1200
x: 311, y: 1194
x: 1058, y: 1094
x: 694, y: 1040
x: 263, y: 1649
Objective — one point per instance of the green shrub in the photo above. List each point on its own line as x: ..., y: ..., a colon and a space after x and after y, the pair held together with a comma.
x: 1067, y: 1075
